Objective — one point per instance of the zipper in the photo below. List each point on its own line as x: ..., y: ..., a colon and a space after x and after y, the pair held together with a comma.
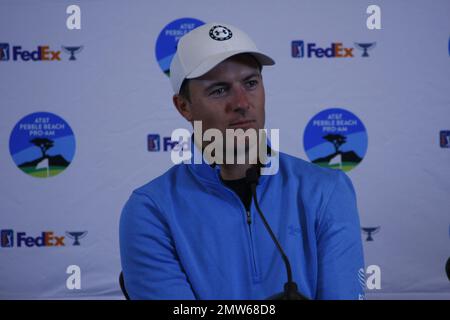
x: 256, y: 275
x: 252, y: 247
x: 249, y: 219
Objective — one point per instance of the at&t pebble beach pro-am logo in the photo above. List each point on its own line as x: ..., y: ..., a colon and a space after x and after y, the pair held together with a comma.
x: 166, y: 44
x: 335, y: 138
x: 42, y: 144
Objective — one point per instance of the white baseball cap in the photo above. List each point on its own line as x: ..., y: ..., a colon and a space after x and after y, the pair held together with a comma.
x: 206, y: 46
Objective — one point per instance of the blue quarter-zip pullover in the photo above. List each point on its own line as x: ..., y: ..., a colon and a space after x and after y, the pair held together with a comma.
x: 185, y: 235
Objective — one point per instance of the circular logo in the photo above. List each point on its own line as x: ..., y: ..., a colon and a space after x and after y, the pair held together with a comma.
x: 220, y: 33
x: 166, y: 44
x: 335, y: 138
x: 42, y: 144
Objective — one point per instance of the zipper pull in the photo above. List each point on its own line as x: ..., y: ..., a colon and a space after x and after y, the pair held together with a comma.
x: 249, y: 219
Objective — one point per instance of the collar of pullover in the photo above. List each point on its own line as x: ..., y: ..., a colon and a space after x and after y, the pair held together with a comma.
x: 209, y: 171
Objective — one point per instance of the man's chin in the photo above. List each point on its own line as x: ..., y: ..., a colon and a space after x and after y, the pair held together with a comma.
x: 243, y: 150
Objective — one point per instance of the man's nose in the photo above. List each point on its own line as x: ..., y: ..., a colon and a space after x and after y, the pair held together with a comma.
x: 240, y: 101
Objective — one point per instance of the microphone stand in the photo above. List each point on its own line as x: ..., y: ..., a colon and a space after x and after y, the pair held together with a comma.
x: 290, y: 287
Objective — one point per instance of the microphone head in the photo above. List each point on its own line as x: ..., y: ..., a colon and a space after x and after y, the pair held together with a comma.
x: 447, y: 268
x: 251, y: 175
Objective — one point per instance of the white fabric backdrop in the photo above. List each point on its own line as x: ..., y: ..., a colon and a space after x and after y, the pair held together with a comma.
x: 115, y: 94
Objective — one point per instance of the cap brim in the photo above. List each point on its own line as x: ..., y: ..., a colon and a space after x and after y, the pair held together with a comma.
x: 213, y: 61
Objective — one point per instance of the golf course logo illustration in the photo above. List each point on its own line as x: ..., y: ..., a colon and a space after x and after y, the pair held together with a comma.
x: 42, y: 144
x: 335, y: 138
x: 166, y: 44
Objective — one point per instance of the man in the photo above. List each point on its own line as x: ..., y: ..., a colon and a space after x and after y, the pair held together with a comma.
x: 194, y: 232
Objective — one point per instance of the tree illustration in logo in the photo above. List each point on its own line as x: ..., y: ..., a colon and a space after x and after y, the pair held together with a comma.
x: 46, y: 165
x: 44, y: 144
x: 338, y: 159
x: 337, y: 140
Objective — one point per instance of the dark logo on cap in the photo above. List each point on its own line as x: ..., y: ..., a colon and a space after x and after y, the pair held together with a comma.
x: 220, y: 33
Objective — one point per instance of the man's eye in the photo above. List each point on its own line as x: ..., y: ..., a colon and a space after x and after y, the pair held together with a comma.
x: 217, y: 92
x: 252, y: 83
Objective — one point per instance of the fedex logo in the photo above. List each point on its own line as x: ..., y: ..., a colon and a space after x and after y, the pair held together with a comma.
x: 46, y: 239
x: 154, y: 143
x: 300, y: 49
x: 42, y: 53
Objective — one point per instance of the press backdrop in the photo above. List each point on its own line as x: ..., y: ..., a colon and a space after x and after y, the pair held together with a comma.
x: 86, y: 117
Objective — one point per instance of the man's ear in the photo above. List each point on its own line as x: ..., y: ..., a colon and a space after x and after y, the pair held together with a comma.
x: 183, y: 106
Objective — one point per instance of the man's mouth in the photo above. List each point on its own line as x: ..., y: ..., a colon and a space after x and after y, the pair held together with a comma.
x: 242, y: 124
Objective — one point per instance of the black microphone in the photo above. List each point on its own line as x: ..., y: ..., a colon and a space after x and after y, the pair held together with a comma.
x: 290, y: 287
x: 447, y: 268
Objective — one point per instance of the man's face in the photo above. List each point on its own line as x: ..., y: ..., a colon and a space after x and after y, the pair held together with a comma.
x: 230, y: 96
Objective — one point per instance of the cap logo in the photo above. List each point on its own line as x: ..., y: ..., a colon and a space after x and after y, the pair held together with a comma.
x: 220, y: 33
